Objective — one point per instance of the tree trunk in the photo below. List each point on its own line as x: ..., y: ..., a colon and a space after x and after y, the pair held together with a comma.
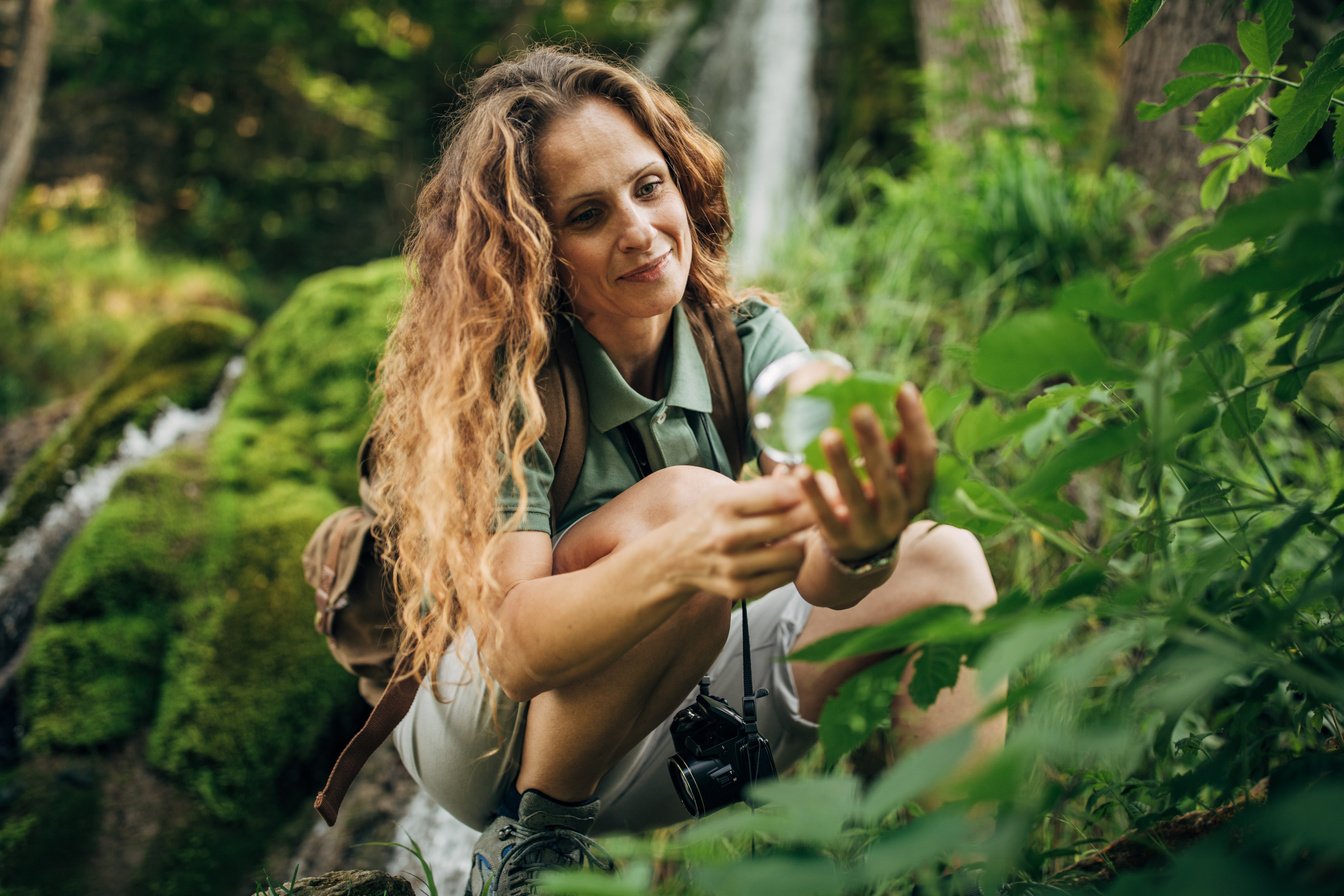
x: 21, y: 98
x: 975, y: 73
x: 1164, y: 151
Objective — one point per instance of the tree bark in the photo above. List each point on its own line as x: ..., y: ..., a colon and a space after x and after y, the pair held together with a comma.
x: 1164, y: 151
x: 975, y: 73
x: 21, y: 99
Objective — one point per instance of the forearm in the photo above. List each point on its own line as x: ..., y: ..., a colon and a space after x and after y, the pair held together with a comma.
x: 558, y: 629
x: 822, y: 584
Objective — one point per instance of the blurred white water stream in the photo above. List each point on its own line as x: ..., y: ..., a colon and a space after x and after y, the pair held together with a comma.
x: 33, y: 555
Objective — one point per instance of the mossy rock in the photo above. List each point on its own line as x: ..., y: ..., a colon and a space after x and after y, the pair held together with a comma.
x: 89, y: 683
x: 143, y: 549
x: 93, y: 673
x: 180, y: 363
x: 303, y: 405
x: 250, y: 689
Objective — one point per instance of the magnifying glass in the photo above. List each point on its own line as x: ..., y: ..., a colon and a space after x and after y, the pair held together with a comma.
x: 787, y: 414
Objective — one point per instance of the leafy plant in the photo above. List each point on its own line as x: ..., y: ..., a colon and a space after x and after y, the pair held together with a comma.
x: 1299, y: 109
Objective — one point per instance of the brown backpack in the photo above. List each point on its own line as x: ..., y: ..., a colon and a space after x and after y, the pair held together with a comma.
x: 355, y: 603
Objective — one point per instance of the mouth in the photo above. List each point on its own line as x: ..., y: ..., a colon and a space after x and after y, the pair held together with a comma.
x: 649, y: 272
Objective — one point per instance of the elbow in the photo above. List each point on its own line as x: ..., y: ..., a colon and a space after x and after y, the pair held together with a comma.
x: 507, y: 661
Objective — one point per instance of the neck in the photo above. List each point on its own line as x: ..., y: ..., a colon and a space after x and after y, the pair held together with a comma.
x: 636, y: 348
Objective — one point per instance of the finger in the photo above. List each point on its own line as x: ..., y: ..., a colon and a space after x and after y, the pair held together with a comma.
x: 830, y: 524
x: 888, y: 489
x: 769, y: 494
x: 745, y: 533
x: 837, y: 456
x: 782, y: 556
x: 919, y: 446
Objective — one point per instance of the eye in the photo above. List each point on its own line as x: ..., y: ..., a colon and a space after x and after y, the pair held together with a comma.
x: 648, y: 188
x: 584, y: 217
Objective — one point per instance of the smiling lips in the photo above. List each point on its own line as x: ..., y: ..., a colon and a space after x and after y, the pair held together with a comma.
x: 650, y: 272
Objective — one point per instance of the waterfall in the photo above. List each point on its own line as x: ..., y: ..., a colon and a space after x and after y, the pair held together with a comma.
x: 444, y: 842
x: 755, y: 90
x: 32, y: 556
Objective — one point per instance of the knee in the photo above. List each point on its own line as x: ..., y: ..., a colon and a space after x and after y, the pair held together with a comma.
x: 673, y: 491
x: 951, y: 561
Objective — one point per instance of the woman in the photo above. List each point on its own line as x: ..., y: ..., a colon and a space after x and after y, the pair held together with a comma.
x: 573, y: 193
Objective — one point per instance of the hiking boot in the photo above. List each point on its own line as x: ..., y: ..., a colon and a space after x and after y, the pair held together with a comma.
x: 510, y: 854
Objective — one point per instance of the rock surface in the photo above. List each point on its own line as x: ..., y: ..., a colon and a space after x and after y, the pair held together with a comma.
x: 353, y: 883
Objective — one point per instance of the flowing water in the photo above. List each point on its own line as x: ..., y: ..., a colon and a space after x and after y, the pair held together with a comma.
x: 33, y: 555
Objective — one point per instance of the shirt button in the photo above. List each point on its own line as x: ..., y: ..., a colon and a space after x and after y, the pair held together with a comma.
x: 661, y: 417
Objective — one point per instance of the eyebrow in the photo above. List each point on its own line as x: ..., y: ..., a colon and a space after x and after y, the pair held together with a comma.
x: 589, y: 194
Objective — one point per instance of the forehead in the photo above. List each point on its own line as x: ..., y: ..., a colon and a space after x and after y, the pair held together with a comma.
x: 591, y: 148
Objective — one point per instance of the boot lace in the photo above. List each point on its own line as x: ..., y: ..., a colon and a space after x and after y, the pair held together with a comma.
x: 551, y: 848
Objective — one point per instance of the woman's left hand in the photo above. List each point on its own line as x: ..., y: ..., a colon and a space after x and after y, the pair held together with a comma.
x: 857, y: 518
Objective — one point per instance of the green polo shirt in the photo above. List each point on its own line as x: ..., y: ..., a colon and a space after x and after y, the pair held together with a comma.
x: 677, y: 429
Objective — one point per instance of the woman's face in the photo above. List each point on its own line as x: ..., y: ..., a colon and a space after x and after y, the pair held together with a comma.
x: 622, y: 235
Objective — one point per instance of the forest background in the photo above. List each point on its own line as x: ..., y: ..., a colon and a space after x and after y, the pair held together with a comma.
x: 1127, y: 320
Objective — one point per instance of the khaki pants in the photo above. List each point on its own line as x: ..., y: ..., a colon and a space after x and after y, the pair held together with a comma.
x: 464, y: 756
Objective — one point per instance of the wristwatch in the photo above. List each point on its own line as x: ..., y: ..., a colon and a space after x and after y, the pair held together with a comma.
x: 862, y: 566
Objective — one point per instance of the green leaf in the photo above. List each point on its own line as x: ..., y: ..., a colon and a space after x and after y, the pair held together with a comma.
x: 943, y: 622
x: 1141, y: 13
x: 860, y: 706
x: 985, y: 426
x: 914, y: 774
x: 941, y: 404
x: 915, y: 845
x: 1272, y: 545
x: 1019, y: 350
x: 1310, y: 105
x: 1242, y: 417
x: 1093, y: 294
x: 1255, y: 44
x: 1214, y: 189
x: 800, y: 809
x: 1211, y: 59
x: 1278, y: 16
x: 778, y: 875
x: 1089, y: 450
x: 1337, y: 144
x: 1228, y: 108
x: 936, y: 668
x: 1217, y: 151
x: 1206, y: 496
x: 1013, y: 649
x: 1178, y: 93
x: 836, y: 400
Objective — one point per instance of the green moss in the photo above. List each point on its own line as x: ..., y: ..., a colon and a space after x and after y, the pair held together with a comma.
x: 252, y: 650
x: 48, y: 826
x: 180, y: 363
x: 142, y: 550
x: 302, y: 408
x: 85, y: 684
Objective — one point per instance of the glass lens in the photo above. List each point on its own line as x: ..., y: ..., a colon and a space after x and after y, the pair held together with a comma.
x: 784, y: 418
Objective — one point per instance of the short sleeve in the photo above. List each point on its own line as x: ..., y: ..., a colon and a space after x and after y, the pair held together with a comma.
x: 538, y: 474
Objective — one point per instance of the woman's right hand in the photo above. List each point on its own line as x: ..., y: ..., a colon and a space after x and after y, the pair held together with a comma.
x: 742, y: 542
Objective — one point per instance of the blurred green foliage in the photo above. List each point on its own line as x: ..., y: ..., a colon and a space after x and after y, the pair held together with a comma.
x: 79, y: 289
x: 282, y: 138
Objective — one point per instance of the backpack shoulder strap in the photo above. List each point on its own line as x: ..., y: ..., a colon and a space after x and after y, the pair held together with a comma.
x: 721, y: 350
x: 564, y: 398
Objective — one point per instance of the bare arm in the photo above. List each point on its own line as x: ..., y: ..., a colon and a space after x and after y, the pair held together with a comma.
x: 553, y: 630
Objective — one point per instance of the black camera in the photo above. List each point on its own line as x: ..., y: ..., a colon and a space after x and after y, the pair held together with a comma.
x: 719, y: 752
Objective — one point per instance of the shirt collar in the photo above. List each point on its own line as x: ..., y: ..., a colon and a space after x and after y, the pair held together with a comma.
x: 611, y: 400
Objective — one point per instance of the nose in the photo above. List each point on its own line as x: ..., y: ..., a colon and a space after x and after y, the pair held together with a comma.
x: 637, y: 231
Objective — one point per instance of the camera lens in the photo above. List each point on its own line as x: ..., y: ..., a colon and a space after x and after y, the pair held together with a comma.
x: 685, y: 783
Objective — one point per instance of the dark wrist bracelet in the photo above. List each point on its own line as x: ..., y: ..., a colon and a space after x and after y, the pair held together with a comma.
x: 878, y: 560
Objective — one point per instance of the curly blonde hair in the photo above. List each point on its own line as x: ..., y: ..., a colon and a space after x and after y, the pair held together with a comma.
x: 458, y: 379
